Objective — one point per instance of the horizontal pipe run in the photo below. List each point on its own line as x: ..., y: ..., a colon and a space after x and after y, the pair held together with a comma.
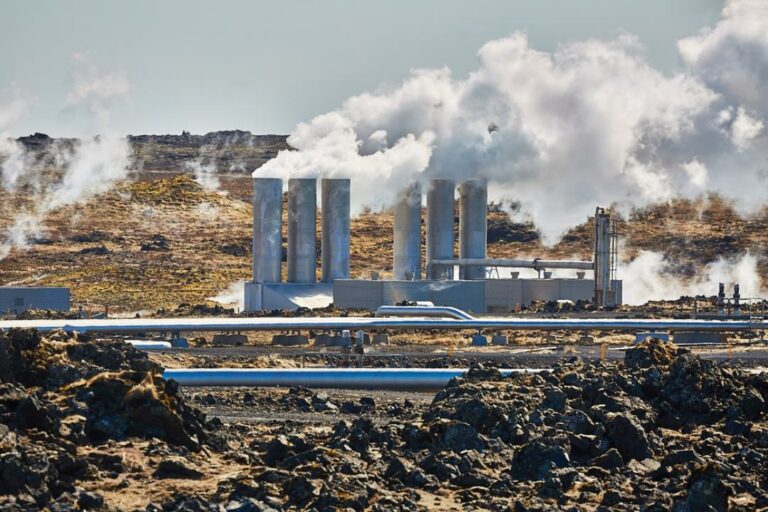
x: 423, y: 311
x: 536, y: 264
x: 133, y: 325
x: 413, y: 379
x: 150, y: 345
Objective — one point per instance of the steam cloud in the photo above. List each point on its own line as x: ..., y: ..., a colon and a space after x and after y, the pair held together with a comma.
x: 645, y: 278
x: 13, y: 157
x: 205, y: 173
x: 591, y: 123
x: 92, y: 167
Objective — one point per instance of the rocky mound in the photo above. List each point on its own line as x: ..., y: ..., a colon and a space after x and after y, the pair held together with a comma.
x: 663, y: 430
x: 63, y: 393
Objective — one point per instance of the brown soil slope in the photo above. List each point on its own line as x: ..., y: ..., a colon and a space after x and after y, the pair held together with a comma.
x: 160, y: 239
x: 160, y: 242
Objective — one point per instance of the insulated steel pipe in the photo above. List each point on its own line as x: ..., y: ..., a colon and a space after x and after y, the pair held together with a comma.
x: 335, y: 235
x: 406, y: 247
x: 149, y: 345
x: 414, y: 379
x: 267, y: 229
x: 213, y: 324
x: 302, y: 230
x: 424, y: 311
x: 473, y: 226
x: 537, y: 264
x: 439, y: 225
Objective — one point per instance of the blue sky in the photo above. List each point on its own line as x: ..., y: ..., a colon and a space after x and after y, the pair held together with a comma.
x: 264, y: 66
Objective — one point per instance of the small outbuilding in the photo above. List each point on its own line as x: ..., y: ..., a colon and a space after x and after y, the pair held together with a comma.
x: 16, y: 300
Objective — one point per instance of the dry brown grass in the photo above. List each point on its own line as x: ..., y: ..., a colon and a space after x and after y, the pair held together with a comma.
x: 208, y: 235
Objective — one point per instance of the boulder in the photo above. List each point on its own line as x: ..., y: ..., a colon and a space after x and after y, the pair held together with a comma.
x: 177, y: 467
x: 537, y: 459
x: 628, y: 437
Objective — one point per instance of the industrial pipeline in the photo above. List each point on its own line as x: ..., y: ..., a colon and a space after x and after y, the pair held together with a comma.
x: 424, y: 311
x: 411, y: 379
x: 175, y: 325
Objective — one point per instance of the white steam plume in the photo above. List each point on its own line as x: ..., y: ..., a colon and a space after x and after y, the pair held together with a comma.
x: 95, y: 89
x: 12, y: 156
x: 205, y: 173
x: 591, y: 123
x: 646, y: 277
x: 232, y: 296
x: 90, y: 168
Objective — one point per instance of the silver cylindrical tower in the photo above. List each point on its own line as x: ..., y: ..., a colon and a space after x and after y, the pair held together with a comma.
x: 335, y: 232
x: 406, y: 251
x: 439, y: 226
x: 302, y: 230
x: 604, y: 258
x: 473, y: 225
x: 267, y: 229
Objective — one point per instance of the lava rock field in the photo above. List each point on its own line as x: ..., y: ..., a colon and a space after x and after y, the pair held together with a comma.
x: 91, y: 425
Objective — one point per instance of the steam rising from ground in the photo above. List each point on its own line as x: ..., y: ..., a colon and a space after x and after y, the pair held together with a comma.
x: 12, y: 153
x: 646, y: 277
x: 591, y: 123
x: 232, y: 296
x: 204, y: 170
x: 205, y: 173
x: 91, y: 167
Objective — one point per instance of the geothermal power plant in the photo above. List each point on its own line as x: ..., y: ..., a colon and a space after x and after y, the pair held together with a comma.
x: 468, y: 280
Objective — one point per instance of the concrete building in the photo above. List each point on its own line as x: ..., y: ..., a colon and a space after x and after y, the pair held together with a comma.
x: 474, y: 290
x: 493, y: 296
x: 458, y: 281
x: 16, y: 300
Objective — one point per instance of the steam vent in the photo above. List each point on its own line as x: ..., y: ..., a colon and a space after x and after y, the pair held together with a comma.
x: 470, y: 280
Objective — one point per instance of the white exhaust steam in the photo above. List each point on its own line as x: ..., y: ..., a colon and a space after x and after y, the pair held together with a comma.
x: 589, y: 123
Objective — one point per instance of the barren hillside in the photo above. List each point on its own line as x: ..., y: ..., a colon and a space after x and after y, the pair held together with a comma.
x: 161, y: 239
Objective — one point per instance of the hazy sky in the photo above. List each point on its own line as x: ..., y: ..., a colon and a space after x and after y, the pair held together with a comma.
x: 264, y: 66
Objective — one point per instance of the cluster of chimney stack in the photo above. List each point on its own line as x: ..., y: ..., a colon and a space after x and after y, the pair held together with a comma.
x: 473, y: 229
x: 335, y: 197
x: 302, y: 231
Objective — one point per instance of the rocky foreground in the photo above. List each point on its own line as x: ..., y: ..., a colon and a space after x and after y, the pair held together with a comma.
x: 87, y: 425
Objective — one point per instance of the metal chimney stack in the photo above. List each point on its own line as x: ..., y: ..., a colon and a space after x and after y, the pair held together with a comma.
x: 473, y: 225
x: 605, y: 255
x: 406, y: 250
x: 335, y: 232
x: 439, y: 226
x: 721, y: 299
x: 302, y: 230
x: 267, y: 229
